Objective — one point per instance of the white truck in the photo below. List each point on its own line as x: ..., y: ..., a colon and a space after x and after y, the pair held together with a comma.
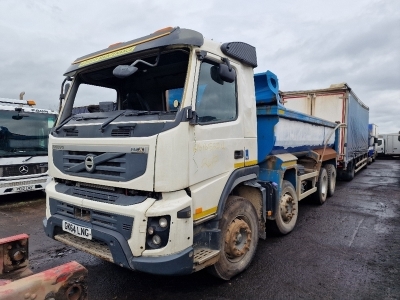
x: 24, y: 132
x: 340, y: 104
x: 171, y: 156
x: 372, y: 142
x: 389, y: 144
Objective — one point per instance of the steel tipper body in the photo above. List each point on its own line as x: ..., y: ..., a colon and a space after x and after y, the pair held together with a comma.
x: 338, y: 103
x: 163, y: 174
x: 24, y: 131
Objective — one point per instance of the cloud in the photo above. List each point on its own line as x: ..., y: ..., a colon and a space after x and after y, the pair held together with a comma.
x: 308, y: 44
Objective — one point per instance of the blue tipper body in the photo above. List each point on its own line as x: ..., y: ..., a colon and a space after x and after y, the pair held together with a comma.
x: 274, y: 139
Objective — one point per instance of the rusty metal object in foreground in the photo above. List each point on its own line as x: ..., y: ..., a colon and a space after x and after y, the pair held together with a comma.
x: 14, y: 262
x: 65, y: 282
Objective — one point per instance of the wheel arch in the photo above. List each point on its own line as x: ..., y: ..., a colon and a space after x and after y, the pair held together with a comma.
x: 238, y: 177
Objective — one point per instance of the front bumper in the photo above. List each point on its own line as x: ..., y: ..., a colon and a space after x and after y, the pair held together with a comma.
x: 118, y: 249
x: 23, y: 185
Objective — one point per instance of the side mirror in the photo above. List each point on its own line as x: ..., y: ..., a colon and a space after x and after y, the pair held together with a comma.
x: 123, y: 71
x: 225, y: 74
x: 375, y: 140
x: 20, y: 116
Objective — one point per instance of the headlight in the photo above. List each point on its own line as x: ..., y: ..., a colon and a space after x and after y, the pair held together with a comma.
x: 163, y: 222
x: 156, y: 240
x: 150, y: 230
x: 157, y: 232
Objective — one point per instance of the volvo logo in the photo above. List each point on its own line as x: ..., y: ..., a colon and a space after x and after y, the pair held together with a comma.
x: 23, y: 169
x: 89, y: 163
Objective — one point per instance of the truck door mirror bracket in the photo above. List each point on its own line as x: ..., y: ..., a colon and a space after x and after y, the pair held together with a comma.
x: 201, y: 55
x: 191, y: 116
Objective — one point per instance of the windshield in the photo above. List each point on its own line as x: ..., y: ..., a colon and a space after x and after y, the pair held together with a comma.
x: 155, y: 90
x: 24, y: 134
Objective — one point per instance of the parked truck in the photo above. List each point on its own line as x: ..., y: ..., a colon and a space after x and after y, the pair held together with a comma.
x: 185, y: 158
x: 338, y: 103
x: 389, y: 144
x: 372, y: 142
x: 24, y: 131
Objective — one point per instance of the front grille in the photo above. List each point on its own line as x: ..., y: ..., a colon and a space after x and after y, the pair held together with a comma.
x: 113, y: 165
x: 72, y: 133
x: 27, y: 169
x: 25, y: 182
x: 96, y: 196
x: 121, y: 132
x: 121, y: 224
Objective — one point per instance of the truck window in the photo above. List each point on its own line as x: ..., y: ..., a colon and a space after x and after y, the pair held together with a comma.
x: 89, y: 96
x: 379, y: 142
x: 174, y: 99
x: 216, y: 100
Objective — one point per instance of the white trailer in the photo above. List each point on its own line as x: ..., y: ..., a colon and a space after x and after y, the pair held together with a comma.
x: 24, y: 135
x: 389, y: 144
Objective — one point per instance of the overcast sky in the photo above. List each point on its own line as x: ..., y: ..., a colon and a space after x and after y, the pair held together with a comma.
x: 307, y: 44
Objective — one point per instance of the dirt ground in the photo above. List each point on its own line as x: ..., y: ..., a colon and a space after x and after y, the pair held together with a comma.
x: 348, y: 248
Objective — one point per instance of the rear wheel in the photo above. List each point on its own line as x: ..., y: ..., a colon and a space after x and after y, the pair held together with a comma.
x: 331, y: 170
x: 286, y: 216
x: 350, y: 172
x: 322, y: 187
x: 239, y: 238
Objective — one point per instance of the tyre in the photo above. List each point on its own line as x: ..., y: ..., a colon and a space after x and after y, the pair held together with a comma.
x: 349, y: 174
x: 287, y: 211
x: 239, y: 238
x: 322, y: 187
x: 331, y: 170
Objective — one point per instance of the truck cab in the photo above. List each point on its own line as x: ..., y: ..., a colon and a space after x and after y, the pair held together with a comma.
x: 156, y: 160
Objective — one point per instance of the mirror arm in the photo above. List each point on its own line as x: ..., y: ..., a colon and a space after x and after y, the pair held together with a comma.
x: 146, y: 63
x: 227, y: 62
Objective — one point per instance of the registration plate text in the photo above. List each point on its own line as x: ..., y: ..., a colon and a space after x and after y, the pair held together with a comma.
x: 77, y: 230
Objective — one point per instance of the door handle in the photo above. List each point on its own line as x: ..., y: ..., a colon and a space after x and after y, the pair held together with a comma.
x: 238, y: 154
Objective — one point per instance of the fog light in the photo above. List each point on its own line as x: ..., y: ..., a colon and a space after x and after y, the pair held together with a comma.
x: 156, y: 240
x: 163, y: 222
x: 150, y: 230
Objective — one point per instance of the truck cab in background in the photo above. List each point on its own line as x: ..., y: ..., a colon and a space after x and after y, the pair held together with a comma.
x: 24, y: 134
x: 389, y: 144
x: 372, y: 142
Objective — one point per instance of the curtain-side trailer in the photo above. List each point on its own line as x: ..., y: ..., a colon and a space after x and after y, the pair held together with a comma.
x: 338, y: 103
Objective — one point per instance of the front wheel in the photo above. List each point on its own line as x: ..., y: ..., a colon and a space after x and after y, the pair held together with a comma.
x: 239, y: 238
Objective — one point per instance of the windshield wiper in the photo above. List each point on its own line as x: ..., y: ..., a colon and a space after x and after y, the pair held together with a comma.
x: 104, y: 125
x: 27, y: 159
x: 63, y: 123
x: 88, y: 118
x: 144, y: 112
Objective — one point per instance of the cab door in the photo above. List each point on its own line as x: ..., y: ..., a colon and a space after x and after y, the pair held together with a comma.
x: 217, y: 145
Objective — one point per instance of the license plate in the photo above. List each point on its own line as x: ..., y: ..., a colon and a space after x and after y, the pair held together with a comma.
x: 24, y: 188
x: 77, y: 230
